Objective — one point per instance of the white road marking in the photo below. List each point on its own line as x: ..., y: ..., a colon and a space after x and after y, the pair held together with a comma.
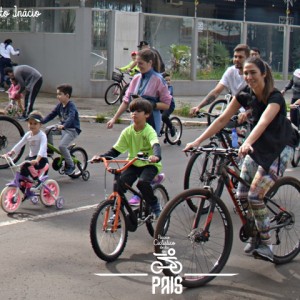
x: 48, y: 215
x: 121, y: 274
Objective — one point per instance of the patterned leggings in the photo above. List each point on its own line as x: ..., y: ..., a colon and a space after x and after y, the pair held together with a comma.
x: 261, y: 182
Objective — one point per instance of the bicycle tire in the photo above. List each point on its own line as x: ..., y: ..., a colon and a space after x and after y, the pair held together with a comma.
x: 173, y: 140
x: 7, y: 195
x: 82, y: 158
x: 216, y: 108
x: 163, y: 197
x: 108, y: 245
x: 195, y: 177
x: 285, y: 193
x: 198, y: 254
x: 112, y: 94
x: 49, y: 192
x: 123, y: 92
x: 296, y: 157
x: 10, y: 134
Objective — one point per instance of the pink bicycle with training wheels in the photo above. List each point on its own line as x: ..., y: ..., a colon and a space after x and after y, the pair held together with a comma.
x: 22, y: 188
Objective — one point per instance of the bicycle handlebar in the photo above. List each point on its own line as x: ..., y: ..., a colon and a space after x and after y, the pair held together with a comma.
x: 109, y: 160
x: 12, y: 164
x: 215, y: 150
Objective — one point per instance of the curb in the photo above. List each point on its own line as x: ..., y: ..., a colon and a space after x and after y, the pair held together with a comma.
x: 86, y: 118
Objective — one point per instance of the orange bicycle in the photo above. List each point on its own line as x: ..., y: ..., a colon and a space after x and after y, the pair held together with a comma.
x: 114, y: 217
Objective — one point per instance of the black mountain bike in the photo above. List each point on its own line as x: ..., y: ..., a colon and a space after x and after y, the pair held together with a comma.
x: 203, y: 241
x: 11, y: 132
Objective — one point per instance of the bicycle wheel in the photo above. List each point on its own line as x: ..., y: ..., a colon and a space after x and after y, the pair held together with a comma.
x: 49, y: 192
x: 216, y: 108
x: 296, y: 157
x: 200, y: 252
x: 162, y: 195
x: 200, y: 172
x: 177, y: 125
x: 11, y: 198
x: 108, y: 245
x: 10, y: 133
x: 112, y: 94
x: 282, y: 201
x: 81, y: 157
x: 123, y: 92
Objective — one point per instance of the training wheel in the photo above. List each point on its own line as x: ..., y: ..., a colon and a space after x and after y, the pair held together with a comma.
x: 59, y: 202
x: 85, y: 175
x: 165, y: 141
x: 179, y: 143
x: 34, y: 199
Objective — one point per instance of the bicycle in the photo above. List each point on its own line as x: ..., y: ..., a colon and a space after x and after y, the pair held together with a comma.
x: 203, y: 242
x: 165, y: 130
x: 117, y: 90
x: 78, y: 154
x: 11, y: 132
x: 114, y: 217
x: 296, y: 156
x: 217, y: 108
x: 20, y: 189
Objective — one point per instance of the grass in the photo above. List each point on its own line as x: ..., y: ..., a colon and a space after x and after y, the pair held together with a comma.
x: 183, y: 109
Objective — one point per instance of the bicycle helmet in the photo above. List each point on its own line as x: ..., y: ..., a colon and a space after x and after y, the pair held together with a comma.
x: 133, y: 53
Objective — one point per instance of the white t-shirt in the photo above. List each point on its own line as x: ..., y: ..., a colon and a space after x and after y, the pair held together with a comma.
x: 6, y: 52
x: 37, y: 144
x: 233, y: 81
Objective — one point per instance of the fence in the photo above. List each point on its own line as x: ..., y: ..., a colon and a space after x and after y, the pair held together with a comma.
x: 82, y: 46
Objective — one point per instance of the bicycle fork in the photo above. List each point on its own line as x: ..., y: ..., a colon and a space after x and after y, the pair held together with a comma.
x: 201, y: 235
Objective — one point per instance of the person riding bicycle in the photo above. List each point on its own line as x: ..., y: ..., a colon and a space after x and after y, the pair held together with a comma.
x: 232, y: 79
x: 131, y: 67
x: 15, y: 97
x: 166, y: 113
x: 37, y: 141
x: 294, y: 84
x: 69, y: 126
x: 267, y: 149
x: 149, y: 85
x: 139, y: 137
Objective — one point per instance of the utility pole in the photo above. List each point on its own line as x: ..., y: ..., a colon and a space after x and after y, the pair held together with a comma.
x: 196, y: 7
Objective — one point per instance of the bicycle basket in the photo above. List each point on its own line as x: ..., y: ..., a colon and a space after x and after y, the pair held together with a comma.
x: 117, y: 77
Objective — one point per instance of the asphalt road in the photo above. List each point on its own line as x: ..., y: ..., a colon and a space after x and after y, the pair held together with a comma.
x: 46, y: 253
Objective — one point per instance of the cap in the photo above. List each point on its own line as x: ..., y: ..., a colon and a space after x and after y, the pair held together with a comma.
x: 35, y: 117
x: 142, y: 43
x: 133, y: 53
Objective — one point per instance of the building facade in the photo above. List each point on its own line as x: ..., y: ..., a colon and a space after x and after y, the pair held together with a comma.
x: 81, y: 42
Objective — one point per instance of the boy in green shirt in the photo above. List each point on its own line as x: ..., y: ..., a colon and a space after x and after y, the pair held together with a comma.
x: 139, y: 137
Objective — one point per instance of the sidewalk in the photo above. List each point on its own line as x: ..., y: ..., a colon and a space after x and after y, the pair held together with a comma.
x: 90, y: 108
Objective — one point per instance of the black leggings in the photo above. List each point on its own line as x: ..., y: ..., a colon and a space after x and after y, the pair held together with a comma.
x: 25, y: 167
x: 145, y: 175
x: 30, y: 97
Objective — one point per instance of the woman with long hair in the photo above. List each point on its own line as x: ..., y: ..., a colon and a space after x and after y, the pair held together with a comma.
x: 149, y: 85
x: 267, y: 149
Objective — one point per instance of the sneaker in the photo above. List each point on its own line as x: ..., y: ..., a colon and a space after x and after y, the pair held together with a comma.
x: 156, y: 210
x: 250, y: 246
x: 173, y: 131
x: 135, y: 200
x: 70, y: 170
x: 263, y: 252
x: 159, y: 178
x: 2, y: 89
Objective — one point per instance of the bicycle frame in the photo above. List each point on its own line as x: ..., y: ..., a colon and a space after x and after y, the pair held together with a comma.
x: 223, y: 171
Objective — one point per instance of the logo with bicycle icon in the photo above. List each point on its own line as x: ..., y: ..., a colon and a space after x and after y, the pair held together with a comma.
x: 166, y: 260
